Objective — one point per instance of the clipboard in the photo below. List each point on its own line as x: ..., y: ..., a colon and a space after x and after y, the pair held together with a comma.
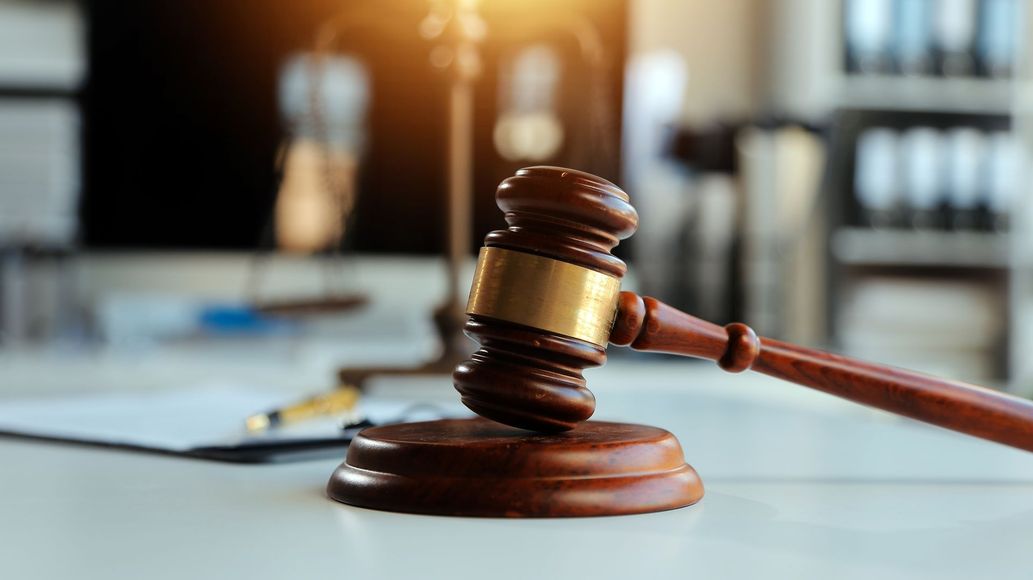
x: 202, y: 422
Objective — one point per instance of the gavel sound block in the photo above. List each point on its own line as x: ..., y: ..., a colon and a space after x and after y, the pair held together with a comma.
x: 544, y: 304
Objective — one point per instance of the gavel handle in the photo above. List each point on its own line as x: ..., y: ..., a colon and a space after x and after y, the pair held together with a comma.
x: 650, y: 325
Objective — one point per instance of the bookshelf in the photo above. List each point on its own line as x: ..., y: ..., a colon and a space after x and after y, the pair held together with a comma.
x: 42, y: 68
x: 985, y: 268
x: 1020, y: 290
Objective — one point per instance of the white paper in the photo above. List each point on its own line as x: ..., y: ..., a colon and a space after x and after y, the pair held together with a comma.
x: 183, y: 419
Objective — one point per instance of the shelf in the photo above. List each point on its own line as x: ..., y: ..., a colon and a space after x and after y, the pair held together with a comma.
x: 927, y: 94
x: 37, y: 92
x: 868, y: 247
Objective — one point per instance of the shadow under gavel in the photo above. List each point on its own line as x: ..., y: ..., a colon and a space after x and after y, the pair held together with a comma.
x: 545, y: 303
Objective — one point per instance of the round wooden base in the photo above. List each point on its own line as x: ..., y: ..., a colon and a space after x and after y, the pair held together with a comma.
x: 476, y: 467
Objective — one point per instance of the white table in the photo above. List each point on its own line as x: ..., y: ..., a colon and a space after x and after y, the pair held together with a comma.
x: 799, y: 485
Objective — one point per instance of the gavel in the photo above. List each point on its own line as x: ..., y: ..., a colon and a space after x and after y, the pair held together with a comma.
x: 544, y: 304
x: 546, y: 301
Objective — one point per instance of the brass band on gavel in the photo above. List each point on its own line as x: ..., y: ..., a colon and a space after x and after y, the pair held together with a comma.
x: 544, y: 293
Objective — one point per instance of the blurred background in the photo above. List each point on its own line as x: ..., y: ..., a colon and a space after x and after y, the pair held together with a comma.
x: 297, y: 187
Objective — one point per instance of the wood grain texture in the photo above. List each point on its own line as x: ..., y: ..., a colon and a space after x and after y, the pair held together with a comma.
x: 648, y: 324
x: 528, y: 377
x: 475, y: 467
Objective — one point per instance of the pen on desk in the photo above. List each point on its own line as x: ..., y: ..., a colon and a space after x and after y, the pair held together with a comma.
x: 339, y: 400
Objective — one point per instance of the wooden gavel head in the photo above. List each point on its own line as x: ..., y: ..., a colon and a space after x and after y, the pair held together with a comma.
x: 544, y: 298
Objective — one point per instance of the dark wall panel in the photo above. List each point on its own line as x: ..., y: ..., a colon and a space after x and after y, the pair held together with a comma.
x: 181, y: 124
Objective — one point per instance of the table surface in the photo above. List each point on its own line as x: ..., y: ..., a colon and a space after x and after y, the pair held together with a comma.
x: 799, y: 485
